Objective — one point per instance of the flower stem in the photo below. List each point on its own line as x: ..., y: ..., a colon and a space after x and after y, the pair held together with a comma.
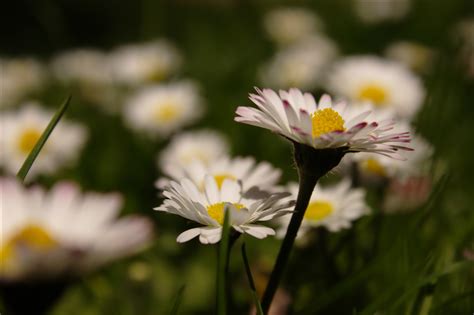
x: 306, y: 188
x: 312, y: 165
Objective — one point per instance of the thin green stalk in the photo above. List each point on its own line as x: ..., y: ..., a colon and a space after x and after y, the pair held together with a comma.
x: 312, y: 165
x: 307, y: 183
x: 258, y: 306
x: 177, y: 301
x: 221, y: 267
x: 25, y: 168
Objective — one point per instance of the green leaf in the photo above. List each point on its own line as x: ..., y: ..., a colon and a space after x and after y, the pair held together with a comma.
x: 251, y: 282
x: 177, y: 301
x: 25, y: 168
x: 221, y: 266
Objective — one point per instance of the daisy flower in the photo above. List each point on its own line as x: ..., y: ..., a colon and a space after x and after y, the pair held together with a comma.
x: 146, y: 62
x: 413, y: 55
x: 334, y: 207
x: 371, y: 12
x: 297, y: 116
x: 63, y: 232
x: 162, y: 109
x: 288, y: 25
x: 244, y: 169
x: 21, y: 131
x: 204, y: 145
x: 20, y: 77
x: 300, y: 65
x: 384, y: 83
x: 208, y: 207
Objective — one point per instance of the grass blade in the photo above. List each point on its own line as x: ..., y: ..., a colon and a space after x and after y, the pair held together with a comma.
x: 251, y: 282
x: 25, y: 168
x: 221, y: 266
x: 177, y: 301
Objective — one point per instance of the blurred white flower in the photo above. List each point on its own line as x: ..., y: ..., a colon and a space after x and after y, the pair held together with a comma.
x: 208, y: 207
x: 21, y: 130
x: 407, y: 193
x: 20, y: 77
x: 376, y: 11
x: 146, y: 62
x: 288, y: 25
x: 162, y: 109
x: 84, y: 66
x: 335, y: 207
x: 296, y: 116
x: 63, y: 231
x: 205, y: 146
x: 383, y: 82
x: 244, y: 169
x: 414, y: 55
x: 464, y: 35
x: 89, y: 71
x: 301, y: 65
x: 416, y: 162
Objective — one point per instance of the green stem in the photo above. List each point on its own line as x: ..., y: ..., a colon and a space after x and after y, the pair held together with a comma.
x: 312, y: 165
x: 306, y: 187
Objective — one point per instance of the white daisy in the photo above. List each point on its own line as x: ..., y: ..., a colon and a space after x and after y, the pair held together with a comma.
x: 407, y: 193
x: 300, y: 65
x: 334, y: 207
x: 207, y: 207
x: 244, y: 169
x: 63, y: 231
x: 415, y: 56
x: 289, y: 25
x: 384, y: 83
x: 20, y: 77
x: 370, y: 11
x: 415, y: 162
x: 205, y: 146
x: 84, y: 66
x: 22, y: 129
x: 146, y: 62
x: 296, y: 116
x: 162, y: 109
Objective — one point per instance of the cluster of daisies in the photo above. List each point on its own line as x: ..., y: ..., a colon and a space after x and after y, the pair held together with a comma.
x: 389, y: 86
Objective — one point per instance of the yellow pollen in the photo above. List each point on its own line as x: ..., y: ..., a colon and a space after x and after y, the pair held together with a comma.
x: 220, y: 178
x: 28, y: 139
x: 373, y: 166
x: 372, y: 92
x: 32, y: 237
x: 318, y: 210
x: 167, y: 112
x: 216, y: 211
x: 326, y: 120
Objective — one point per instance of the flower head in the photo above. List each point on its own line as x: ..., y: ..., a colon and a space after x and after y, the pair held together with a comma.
x: 334, y: 207
x: 161, y: 109
x: 384, y: 83
x: 323, y: 125
x: 289, y: 25
x: 300, y: 65
x: 146, y: 62
x: 63, y: 232
x: 208, y: 207
x: 372, y: 12
x: 244, y: 169
x: 21, y: 131
x: 185, y: 148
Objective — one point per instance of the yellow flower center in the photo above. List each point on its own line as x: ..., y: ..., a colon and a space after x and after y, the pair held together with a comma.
x: 326, y: 120
x: 32, y: 237
x: 373, y: 92
x: 28, y: 139
x: 167, y: 112
x: 373, y: 166
x: 220, y: 178
x: 318, y: 210
x: 216, y: 211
